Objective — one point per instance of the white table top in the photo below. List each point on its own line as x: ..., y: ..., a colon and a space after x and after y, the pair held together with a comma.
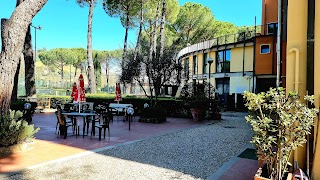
x: 115, y: 105
x: 79, y: 114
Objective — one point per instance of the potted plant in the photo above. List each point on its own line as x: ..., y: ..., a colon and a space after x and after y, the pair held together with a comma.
x: 196, y: 99
x: 280, y: 124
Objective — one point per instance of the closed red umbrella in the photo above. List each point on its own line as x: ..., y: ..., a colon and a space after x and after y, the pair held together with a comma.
x: 74, y: 93
x: 81, y: 91
x: 118, y: 93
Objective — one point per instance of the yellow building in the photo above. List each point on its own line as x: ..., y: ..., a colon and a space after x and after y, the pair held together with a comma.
x: 236, y: 68
x: 231, y: 71
x: 303, y: 55
x: 300, y: 54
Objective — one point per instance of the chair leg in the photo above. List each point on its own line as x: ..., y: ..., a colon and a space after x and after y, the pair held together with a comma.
x: 65, y: 132
x: 87, y: 126
x: 109, y: 133
x: 77, y: 131
x: 104, y: 132
x: 57, y: 126
x: 100, y: 129
x: 74, y: 126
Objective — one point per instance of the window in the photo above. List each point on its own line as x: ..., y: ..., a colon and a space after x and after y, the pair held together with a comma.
x: 272, y: 28
x: 205, y: 63
x: 186, y: 67
x: 265, y: 49
x: 222, y: 85
x: 223, y: 61
x: 195, y: 65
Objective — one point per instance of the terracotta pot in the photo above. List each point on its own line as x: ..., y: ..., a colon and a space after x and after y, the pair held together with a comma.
x: 217, y: 116
x: 257, y: 176
x: 197, y: 114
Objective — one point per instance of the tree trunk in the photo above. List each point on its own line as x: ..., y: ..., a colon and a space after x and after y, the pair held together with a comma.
x: 62, y: 65
x: 13, y: 33
x: 155, y: 30
x: 163, y: 19
x: 29, y: 65
x: 150, y: 41
x: 126, y: 35
x: 107, y: 75
x: 14, y: 95
x: 75, y: 72
x: 91, y: 76
x: 139, y: 34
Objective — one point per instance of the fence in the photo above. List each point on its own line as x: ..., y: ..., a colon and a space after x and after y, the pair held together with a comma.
x: 245, y: 35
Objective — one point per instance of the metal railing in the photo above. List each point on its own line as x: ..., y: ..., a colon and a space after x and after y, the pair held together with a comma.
x: 245, y: 35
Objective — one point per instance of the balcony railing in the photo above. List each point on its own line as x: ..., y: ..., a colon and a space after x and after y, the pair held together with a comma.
x: 245, y: 36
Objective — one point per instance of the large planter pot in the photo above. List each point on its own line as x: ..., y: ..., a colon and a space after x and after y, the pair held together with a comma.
x: 197, y: 114
x: 17, y: 148
x: 217, y: 116
x: 257, y: 176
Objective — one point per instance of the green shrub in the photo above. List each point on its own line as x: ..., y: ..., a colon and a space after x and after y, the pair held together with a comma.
x: 14, y: 131
x: 153, y: 115
x: 19, y: 105
x: 280, y: 124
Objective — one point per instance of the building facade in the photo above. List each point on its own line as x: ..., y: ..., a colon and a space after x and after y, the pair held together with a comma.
x: 231, y: 67
x: 251, y: 64
x: 266, y: 42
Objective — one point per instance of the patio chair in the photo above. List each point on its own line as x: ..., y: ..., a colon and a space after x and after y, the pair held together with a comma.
x: 63, y: 124
x: 72, y: 120
x: 105, y: 125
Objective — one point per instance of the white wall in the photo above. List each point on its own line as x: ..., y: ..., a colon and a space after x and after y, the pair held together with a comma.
x: 240, y: 84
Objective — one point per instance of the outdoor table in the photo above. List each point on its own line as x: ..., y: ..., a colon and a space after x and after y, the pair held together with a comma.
x: 122, y: 107
x: 84, y: 115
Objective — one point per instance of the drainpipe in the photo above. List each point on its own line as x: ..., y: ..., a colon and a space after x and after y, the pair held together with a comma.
x: 296, y: 73
x: 279, y: 44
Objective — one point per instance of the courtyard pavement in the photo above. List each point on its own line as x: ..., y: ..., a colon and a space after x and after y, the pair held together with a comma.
x: 176, y: 149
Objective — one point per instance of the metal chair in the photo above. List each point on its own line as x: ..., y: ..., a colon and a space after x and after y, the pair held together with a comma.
x: 106, y: 116
x: 63, y: 124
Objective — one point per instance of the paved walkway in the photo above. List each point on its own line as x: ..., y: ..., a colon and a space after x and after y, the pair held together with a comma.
x: 49, y: 146
x: 172, y: 137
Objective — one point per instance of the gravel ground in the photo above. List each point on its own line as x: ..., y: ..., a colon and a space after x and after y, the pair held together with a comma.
x: 193, y: 153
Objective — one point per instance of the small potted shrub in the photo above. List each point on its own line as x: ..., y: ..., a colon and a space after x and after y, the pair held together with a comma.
x: 195, y: 97
x: 280, y: 124
x: 14, y: 133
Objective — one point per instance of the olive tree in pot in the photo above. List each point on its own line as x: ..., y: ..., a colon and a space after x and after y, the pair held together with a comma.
x: 196, y: 98
x: 280, y: 124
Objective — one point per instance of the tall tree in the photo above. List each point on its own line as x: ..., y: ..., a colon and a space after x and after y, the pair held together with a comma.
x: 155, y: 31
x: 13, y: 32
x: 137, y: 48
x: 58, y: 58
x: 163, y: 19
x: 80, y: 55
x: 91, y: 76
x: 14, y: 95
x: 193, y: 17
x: 29, y: 65
x: 150, y: 74
x: 152, y: 10
x: 126, y: 10
x: 99, y: 57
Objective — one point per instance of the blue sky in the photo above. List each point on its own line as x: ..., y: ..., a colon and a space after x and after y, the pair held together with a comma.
x: 64, y: 22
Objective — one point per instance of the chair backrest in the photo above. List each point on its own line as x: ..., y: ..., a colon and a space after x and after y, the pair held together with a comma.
x: 61, y: 118
x: 107, y: 116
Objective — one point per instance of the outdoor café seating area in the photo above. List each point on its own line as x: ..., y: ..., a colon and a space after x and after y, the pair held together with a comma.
x: 84, y: 119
